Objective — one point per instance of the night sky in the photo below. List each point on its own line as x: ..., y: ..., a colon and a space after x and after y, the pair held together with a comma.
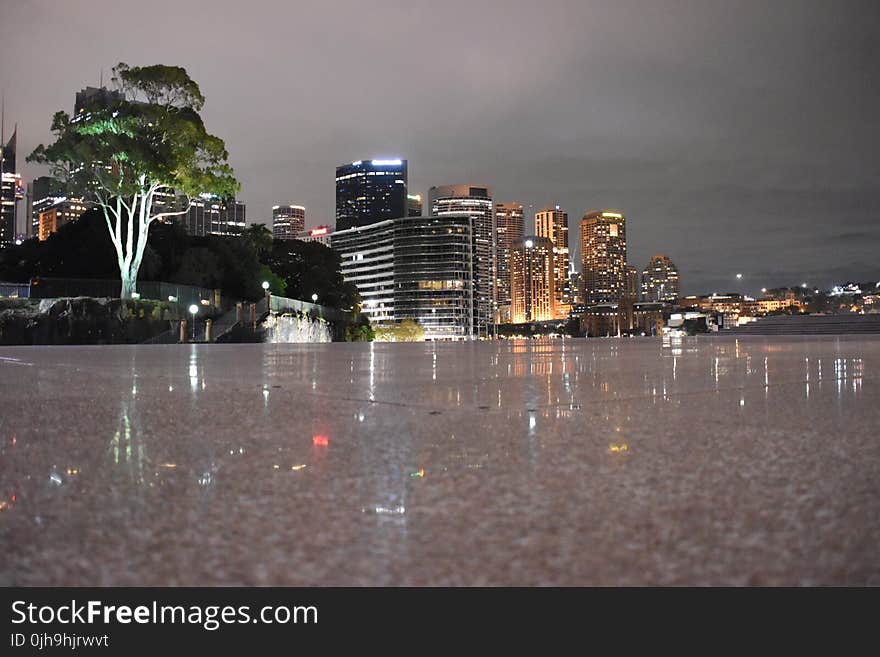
x: 736, y: 136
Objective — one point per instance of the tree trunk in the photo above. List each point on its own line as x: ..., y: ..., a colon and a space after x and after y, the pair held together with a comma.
x: 129, y: 285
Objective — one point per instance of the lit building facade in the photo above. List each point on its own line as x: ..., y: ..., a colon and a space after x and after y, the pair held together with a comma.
x: 368, y: 262
x: 532, y: 280
x: 419, y: 268
x: 413, y: 205
x: 603, y: 255
x: 11, y: 190
x: 368, y: 191
x: 632, y: 283
x: 552, y: 223
x: 288, y: 221
x: 433, y: 274
x: 62, y: 212
x: 476, y: 202
x: 44, y: 192
x: 509, y: 228
x: 661, y: 280
x: 211, y: 215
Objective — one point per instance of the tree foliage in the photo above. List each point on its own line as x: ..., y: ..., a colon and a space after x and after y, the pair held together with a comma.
x: 311, y: 268
x: 407, y: 330
x: 119, y: 154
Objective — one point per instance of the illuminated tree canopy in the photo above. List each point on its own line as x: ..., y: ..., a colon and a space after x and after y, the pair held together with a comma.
x: 139, y: 155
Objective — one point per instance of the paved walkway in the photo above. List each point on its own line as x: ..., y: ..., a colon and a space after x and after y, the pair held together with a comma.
x: 703, y: 461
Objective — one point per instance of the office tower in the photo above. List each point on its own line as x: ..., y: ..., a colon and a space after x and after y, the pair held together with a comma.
x: 11, y: 190
x: 532, y: 280
x: 368, y: 262
x: 660, y: 280
x: 368, y: 191
x: 508, y: 229
x: 45, y: 192
x: 576, y: 284
x: 288, y: 221
x: 92, y: 98
x: 433, y: 273
x: 552, y: 223
x: 209, y: 214
x: 475, y: 201
x: 62, y: 212
x: 413, y: 205
x: 632, y: 283
x: 417, y: 268
x: 603, y: 254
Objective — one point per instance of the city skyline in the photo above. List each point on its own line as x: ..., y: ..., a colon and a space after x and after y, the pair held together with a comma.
x: 724, y: 157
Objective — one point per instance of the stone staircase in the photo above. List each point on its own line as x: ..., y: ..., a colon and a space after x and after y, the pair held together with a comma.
x: 811, y: 325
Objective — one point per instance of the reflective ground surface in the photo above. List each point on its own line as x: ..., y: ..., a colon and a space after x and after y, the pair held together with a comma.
x: 705, y: 461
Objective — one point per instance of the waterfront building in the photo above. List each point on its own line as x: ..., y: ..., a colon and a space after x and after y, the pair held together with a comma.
x: 532, y: 280
x: 508, y: 229
x: 661, y: 280
x: 552, y: 223
x: 476, y: 202
x: 603, y: 256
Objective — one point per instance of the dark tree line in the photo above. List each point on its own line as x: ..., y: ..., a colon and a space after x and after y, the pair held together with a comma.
x: 236, y: 265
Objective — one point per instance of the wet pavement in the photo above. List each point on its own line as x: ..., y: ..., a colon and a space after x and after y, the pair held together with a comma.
x: 576, y: 462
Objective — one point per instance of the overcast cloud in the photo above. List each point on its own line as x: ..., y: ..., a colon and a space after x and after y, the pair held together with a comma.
x: 736, y: 136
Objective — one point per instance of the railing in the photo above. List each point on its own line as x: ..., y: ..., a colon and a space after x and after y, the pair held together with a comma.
x: 46, y: 288
x: 283, y: 304
x: 15, y: 290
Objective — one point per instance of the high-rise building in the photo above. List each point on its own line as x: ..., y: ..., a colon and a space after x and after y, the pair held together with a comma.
x: 552, y: 223
x: 661, y: 280
x: 368, y: 191
x: 209, y: 214
x: 417, y: 268
x: 413, y: 205
x: 475, y: 201
x: 508, y: 229
x: 603, y: 254
x: 532, y: 280
x: 44, y: 192
x: 92, y: 98
x: 433, y: 274
x: 288, y: 221
x: 60, y: 213
x: 368, y: 262
x: 11, y: 190
x: 632, y: 283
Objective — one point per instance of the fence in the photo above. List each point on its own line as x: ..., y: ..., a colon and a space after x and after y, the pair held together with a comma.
x: 283, y: 304
x: 15, y: 290
x: 47, y: 288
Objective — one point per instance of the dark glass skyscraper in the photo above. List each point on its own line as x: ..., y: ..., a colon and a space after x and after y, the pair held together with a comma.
x: 211, y: 215
x: 368, y: 191
x: 10, y: 191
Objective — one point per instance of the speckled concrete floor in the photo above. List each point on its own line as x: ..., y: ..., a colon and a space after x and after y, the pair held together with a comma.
x: 703, y: 461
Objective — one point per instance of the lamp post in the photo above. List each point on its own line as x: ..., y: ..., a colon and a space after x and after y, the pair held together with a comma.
x: 268, y: 296
x: 314, y: 298
x: 194, y: 310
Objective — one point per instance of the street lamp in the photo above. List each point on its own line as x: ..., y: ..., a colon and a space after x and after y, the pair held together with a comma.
x: 314, y: 298
x: 194, y: 310
x: 739, y: 277
x: 266, y: 285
